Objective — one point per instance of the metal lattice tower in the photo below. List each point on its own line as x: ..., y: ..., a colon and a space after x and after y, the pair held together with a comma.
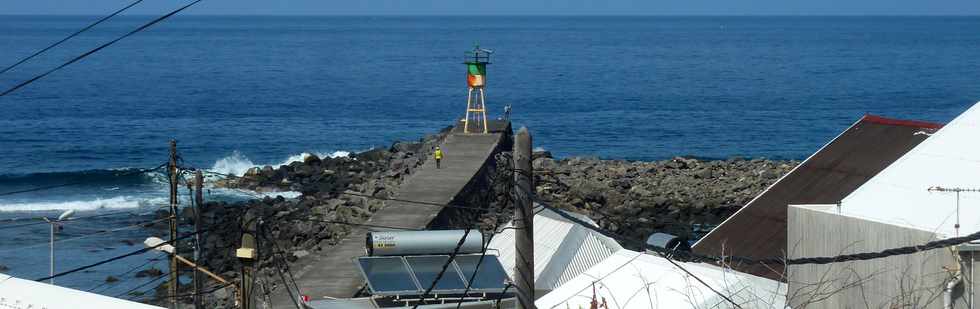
x: 476, y: 62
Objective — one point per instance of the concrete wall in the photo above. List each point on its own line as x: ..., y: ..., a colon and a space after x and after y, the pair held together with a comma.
x: 489, y: 188
x: 906, y: 281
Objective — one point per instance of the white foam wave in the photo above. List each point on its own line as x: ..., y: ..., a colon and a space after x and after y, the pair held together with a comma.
x: 109, y: 203
x: 539, y: 149
x: 244, y: 194
x: 238, y: 164
x: 235, y: 164
x: 301, y: 157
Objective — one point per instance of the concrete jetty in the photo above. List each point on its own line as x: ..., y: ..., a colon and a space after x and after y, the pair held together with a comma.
x: 331, y: 273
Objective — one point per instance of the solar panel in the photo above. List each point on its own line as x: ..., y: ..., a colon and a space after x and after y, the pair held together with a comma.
x: 426, y: 269
x: 387, y: 275
x: 411, y: 275
x: 490, y: 276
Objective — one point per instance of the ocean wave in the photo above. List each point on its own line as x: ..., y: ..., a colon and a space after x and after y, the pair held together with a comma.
x: 240, y: 194
x: 101, y: 178
x: 120, y: 202
x: 237, y: 163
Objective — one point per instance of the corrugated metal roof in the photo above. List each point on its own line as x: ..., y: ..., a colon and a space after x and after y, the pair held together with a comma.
x: 19, y: 293
x: 562, y: 249
x: 950, y: 158
x: 759, y: 228
x: 629, y: 279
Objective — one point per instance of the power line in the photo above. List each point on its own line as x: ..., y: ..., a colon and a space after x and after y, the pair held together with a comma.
x: 367, y: 195
x: 116, y: 258
x: 161, y: 276
x: 5, y: 227
x: 87, y: 235
x: 449, y: 261
x: 148, y: 261
x: 205, y: 292
x: 936, y: 244
x: 107, y: 17
x: 90, y: 52
x: 662, y: 254
x: 282, y: 263
x: 476, y: 270
x: 358, y: 224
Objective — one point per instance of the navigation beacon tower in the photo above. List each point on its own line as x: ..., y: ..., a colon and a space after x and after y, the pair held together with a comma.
x: 476, y: 62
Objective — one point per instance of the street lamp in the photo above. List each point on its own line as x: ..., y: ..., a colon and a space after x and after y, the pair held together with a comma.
x: 160, y: 245
x: 63, y: 217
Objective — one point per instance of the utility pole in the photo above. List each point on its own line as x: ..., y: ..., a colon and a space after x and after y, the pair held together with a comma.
x: 198, y: 209
x: 524, y: 219
x: 172, y: 169
x: 247, y: 255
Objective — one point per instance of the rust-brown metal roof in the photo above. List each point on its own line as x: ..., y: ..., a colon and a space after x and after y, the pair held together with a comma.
x: 758, y: 229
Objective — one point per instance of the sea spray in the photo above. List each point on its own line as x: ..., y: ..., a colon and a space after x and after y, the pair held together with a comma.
x: 237, y: 163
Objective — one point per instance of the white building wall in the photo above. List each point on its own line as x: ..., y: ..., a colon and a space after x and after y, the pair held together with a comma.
x: 906, y: 281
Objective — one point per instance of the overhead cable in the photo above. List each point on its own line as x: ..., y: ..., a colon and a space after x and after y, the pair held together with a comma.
x: 116, y: 258
x: 90, y: 52
x: 107, y: 17
x: 936, y: 244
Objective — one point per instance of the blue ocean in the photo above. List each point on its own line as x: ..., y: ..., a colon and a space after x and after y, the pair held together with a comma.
x: 237, y: 92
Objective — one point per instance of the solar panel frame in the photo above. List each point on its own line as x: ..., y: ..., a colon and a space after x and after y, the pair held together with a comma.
x: 420, y: 288
x: 488, y: 262
x: 435, y: 267
x: 373, y: 287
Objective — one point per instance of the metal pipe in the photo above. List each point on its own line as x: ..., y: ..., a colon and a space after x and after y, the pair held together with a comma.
x: 52, y: 254
x: 948, y: 291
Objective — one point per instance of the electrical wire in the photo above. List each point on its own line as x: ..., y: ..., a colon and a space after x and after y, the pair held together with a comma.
x: 367, y: 195
x: 660, y: 251
x: 282, y: 264
x: 476, y: 270
x: 86, y: 28
x: 116, y: 258
x: 5, y: 227
x: 107, y: 44
x: 63, y: 240
x: 161, y: 276
x: 936, y: 244
x: 140, y: 266
x: 203, y: 292
x: 358, y: 224
x: 442, y: 272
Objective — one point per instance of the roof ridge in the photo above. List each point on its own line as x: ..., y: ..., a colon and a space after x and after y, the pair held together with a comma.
x: 901, y: 122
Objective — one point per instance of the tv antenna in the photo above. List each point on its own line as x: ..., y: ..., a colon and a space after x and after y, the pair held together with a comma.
x: 956, y: 227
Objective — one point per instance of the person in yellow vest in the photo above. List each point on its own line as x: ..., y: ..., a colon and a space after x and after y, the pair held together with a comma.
x: 438, y: 156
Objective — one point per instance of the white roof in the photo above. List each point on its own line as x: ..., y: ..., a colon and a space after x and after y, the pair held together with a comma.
x: 899, y: 194
x: 562, y: 249
x: 629, y: 279
x: 19, y: 293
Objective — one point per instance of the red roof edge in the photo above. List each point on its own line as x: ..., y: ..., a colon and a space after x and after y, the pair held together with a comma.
x: 899, y: 122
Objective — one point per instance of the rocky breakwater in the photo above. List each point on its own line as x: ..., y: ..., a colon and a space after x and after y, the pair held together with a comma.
x: 681, y: 196
x: 343, y: 189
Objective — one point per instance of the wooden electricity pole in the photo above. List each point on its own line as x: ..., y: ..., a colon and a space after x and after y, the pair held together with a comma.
x: 172, y: 169
x: 524, y: 220
x: 247, y: 255
x: 198, y: 209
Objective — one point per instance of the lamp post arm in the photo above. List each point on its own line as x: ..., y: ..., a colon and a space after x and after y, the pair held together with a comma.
x: 209, y: 273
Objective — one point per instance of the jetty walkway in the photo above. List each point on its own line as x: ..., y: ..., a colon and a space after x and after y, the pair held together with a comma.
x: 331, y: 273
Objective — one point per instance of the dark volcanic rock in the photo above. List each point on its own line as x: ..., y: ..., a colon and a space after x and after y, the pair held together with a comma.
x: 291, y: 229
x: 636, y: 199
x: 151, y: 272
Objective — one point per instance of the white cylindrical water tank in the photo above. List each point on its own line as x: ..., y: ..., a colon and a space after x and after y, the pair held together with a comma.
x: 422, y: 242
